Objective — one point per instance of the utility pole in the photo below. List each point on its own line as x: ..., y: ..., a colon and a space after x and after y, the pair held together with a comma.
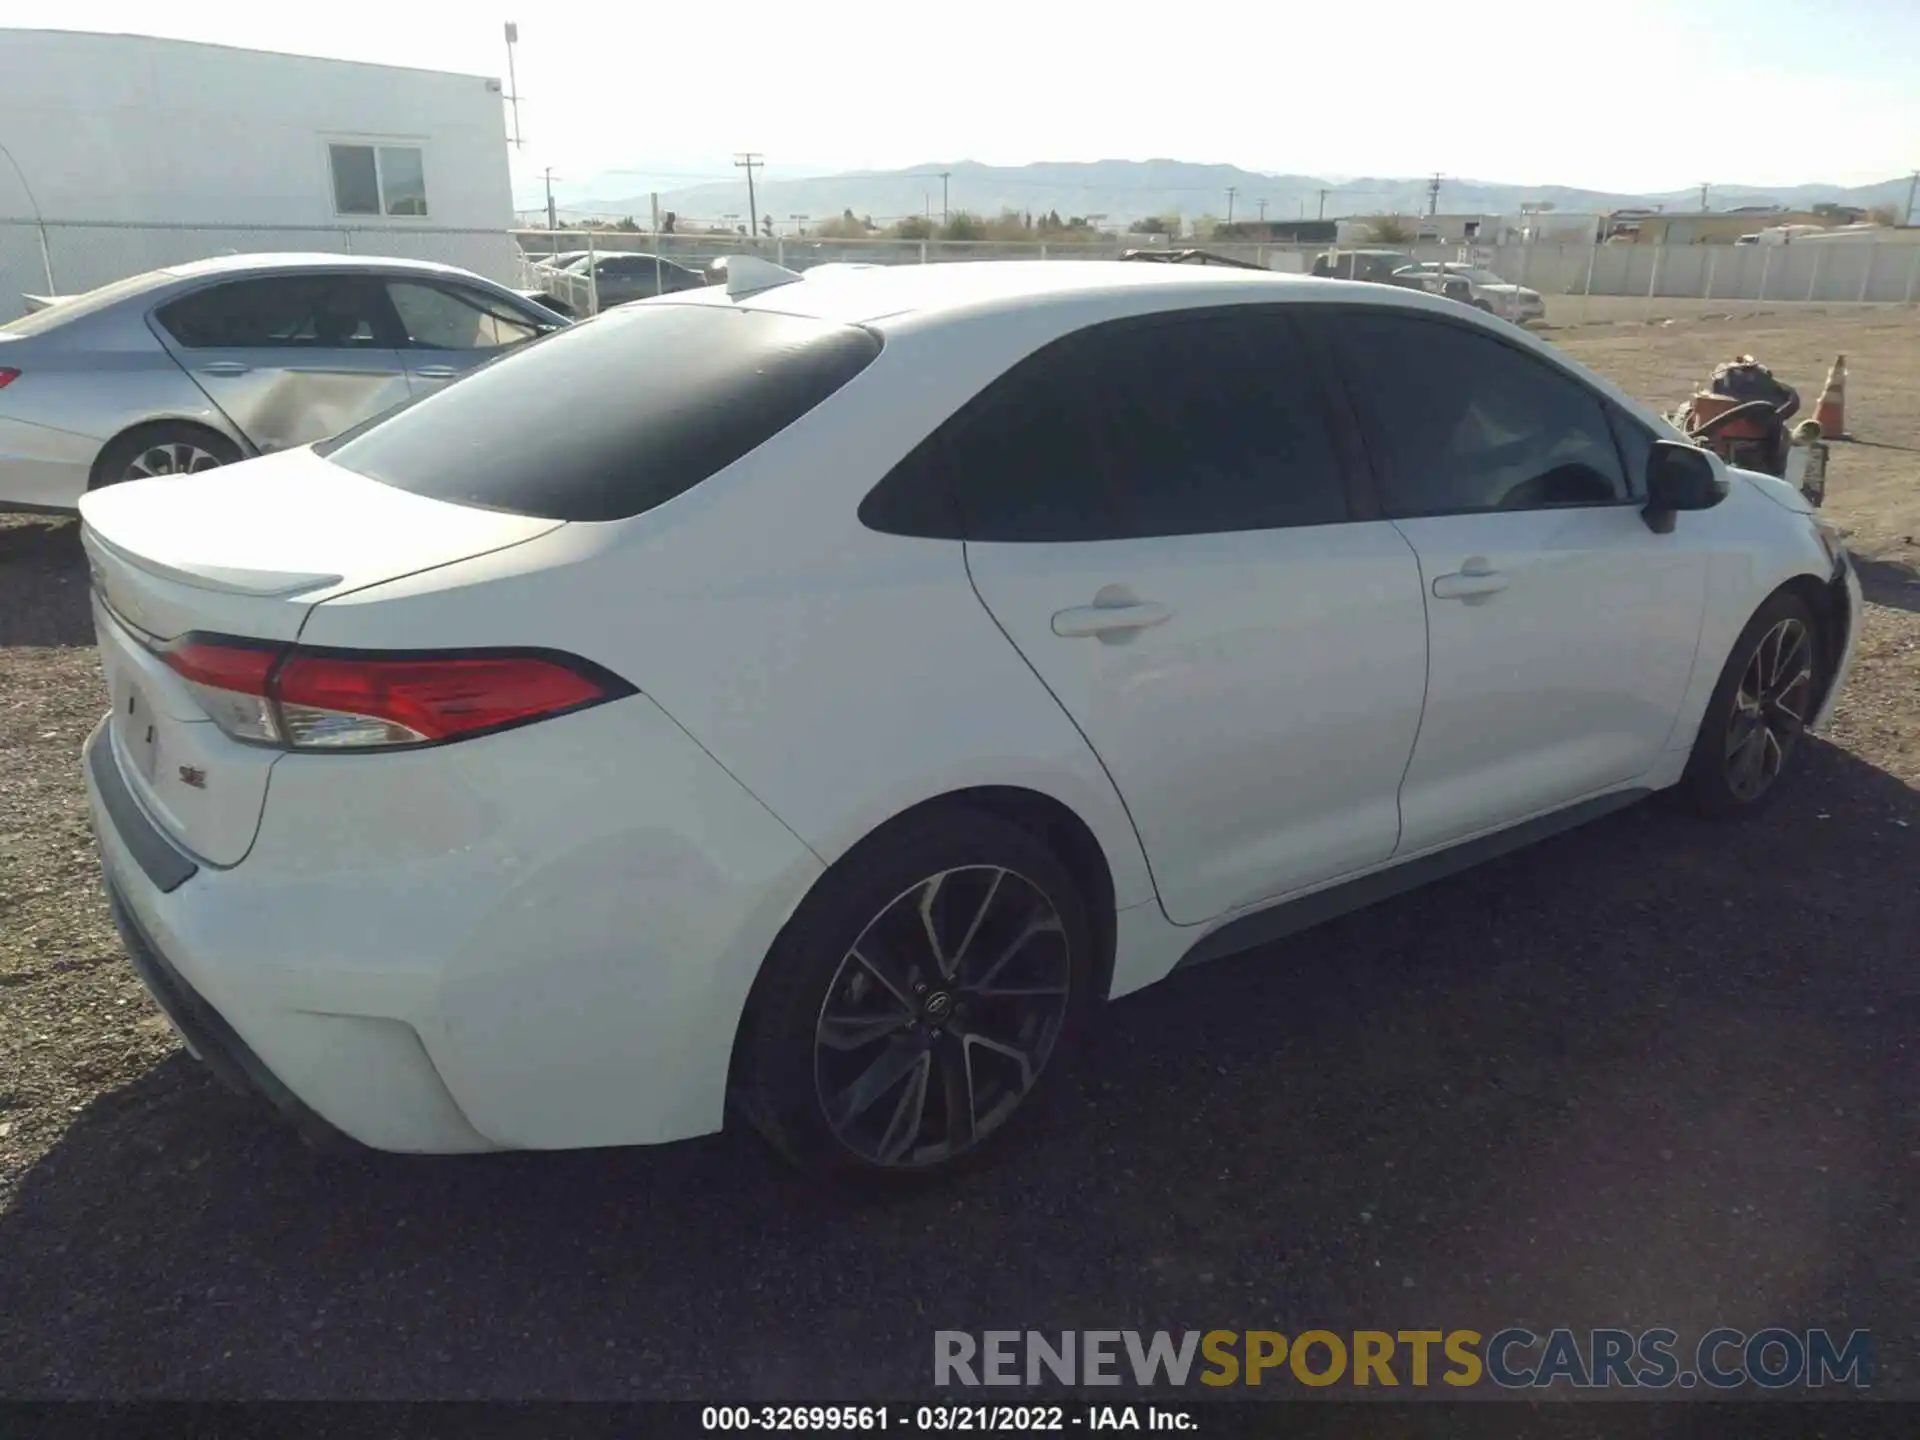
x: 1913, y: 183
x: 1232, y: 191
x: 1433, y: 194
x: 1323, y: 206
x: 749, y: 161
x: 552, y: 222
x: 513, y: 85
x: 1704, y: 187
x: 946, y: 217
x: 1263, y: 212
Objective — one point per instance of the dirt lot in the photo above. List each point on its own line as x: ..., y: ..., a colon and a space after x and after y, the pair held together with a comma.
x: 1654, y: 1071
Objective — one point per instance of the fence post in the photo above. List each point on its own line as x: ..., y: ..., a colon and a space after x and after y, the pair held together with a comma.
x: 46, y: 259
x: 1913, y: 272
x: 780, y: 250
x: 1586, y: 294
x: 1766, y: 264
x: 1813, y: 280
x: 593, y: 278
x: 1653, y: 279
x: 1713, y: 254
x: 923, y: 252
x: 1866, y: 280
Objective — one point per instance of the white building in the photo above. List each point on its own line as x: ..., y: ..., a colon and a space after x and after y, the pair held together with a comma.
x: 124, y: 152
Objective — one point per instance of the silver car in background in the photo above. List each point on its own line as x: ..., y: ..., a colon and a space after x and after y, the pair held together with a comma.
x: 199, y: 365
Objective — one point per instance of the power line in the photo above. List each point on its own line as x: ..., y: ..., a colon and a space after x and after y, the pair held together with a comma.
x: 750, y: 160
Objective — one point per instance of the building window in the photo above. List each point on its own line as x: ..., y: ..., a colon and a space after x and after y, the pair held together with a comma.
x: 378, y: 180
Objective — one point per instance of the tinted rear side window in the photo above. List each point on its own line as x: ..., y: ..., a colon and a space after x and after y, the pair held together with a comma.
x: 1181, y: 425
x: 611, y: 417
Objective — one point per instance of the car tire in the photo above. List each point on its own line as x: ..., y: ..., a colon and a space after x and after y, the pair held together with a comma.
x: 1483, y: 305
x: 168, y: 448
x: 1757, y: 713
x: 863, y: 1058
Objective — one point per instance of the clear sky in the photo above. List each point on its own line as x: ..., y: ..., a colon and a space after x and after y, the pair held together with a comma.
x: 1626, y: 95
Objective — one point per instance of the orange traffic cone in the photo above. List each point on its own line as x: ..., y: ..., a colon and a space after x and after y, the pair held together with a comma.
x: 1831, y: 413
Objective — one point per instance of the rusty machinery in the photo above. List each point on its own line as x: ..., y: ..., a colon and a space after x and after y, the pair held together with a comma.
x: 1741, y: 415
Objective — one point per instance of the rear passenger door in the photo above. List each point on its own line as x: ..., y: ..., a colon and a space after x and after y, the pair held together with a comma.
x: 1561, y: 630
x: 290, y: 358
x: 1157, y: 514
x: 446, y: 329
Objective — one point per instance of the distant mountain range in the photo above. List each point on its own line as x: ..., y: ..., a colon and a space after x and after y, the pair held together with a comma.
x: 1125, y: 190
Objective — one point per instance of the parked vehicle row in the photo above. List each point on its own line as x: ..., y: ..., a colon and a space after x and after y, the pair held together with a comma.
x: 881, y: 668
x: 195, y: 366
x: 1469, y: 284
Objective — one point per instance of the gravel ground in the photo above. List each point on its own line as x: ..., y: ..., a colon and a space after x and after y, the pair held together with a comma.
x: 1653, y: 1072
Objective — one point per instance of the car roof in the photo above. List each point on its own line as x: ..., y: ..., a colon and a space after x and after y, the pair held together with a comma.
x: 317, y: 260
x: 943, y: 289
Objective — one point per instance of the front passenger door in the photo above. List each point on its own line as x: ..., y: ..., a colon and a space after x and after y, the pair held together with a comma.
x: 1561, y: 630
x: 448, y: 329
x: 1156, y: 514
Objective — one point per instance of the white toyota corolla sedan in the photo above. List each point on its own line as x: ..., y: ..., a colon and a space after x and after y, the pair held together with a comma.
x: 815, y: 696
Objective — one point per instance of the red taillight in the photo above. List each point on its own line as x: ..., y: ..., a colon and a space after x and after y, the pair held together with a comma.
x: 331, y: 699
x: 229, y: 680
x: 223, y: 664
x: 342, y: 700
x: 7, y: 376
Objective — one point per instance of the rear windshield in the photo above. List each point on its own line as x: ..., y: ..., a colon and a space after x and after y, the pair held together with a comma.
x: 611, y: 417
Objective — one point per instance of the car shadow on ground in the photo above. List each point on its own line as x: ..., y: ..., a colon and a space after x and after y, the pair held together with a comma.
x: 1889, y: 583
x: 1656, y: 1071
x: 43, y: 583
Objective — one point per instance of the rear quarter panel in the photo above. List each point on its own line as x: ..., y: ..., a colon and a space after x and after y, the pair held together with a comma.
x: 841, y: 675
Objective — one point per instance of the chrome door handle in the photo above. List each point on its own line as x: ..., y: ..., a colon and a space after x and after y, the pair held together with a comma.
x: 436, y: 372
x: 1085, y: 620
x: 1474, y: 580
x: 225, y: 367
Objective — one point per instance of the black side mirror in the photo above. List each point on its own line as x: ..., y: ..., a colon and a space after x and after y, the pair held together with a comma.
x: 1680, y: 477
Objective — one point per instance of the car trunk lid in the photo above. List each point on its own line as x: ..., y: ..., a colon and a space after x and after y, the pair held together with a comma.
x: 245, y: 551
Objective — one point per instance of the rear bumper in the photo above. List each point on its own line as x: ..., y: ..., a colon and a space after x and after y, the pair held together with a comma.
x: 42, y: 468
x: 211, y: 1039
x: 537, y: 940
x: 208, y: 1036
x: 360, y: 1080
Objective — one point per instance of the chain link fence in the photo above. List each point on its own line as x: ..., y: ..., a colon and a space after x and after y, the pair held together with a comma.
x: 1580, y: 283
